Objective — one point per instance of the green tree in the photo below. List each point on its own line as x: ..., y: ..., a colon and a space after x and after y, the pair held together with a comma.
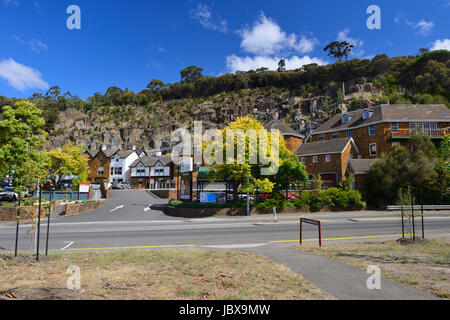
x: 246, y: 176
x: 339, y: 50
x: 191, y: 74
x: 68, y: 160
x: 281, y: 65
x: 21, y: 135
x: 401, y: 169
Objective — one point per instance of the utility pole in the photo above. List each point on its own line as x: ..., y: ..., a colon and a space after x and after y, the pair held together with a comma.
x: 39, y: 221
x: 248, y: 198
x: 48, y: 221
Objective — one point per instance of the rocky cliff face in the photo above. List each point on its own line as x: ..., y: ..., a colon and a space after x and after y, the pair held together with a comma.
x: 150, y: 127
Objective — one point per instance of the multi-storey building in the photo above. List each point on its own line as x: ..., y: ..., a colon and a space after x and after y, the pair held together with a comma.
x: 376, y: 129
x: 292, y: 138
x: 153, y: 172
x: 329, y: 159
x: 372, y: 132
x: 112, y: 165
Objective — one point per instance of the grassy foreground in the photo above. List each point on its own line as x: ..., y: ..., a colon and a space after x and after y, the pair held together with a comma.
x: 165, y: 274
x: 424, y: 265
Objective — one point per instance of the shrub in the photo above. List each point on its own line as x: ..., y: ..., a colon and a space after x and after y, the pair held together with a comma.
x: 278, y: 203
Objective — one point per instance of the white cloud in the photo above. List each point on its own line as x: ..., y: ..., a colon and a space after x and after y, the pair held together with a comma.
x: 38, y: 46
x: 443, y: 44
x: 235, y: 63
x: 203, y: 14
x: 424, y: 28
x: 20, y: 76
x: 343, y: 36
x: 267, y: 38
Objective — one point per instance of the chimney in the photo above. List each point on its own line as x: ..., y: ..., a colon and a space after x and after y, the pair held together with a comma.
x: 133, y: 147
x: 158, y: 153
x: 103, y: 147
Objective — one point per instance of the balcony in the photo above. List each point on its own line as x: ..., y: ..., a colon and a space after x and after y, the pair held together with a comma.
x: 406, y: 134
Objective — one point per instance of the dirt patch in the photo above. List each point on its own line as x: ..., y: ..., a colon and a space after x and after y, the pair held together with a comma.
x: 164, y: 274
x: 424, y: 265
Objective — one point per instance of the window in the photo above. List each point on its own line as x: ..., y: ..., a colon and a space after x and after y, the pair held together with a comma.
x: 320, y: 138
x: 112, y: 171
x: 335, y: 135
x: 118, y: 170
x: 100, y: 170
x: 346, y: 118
x: 302, y: 160
x: 101, y: 159
x: 140, y: 180
x: 394, y: 126
x: 328, y: 158
x: 315, y: 159
x: 367, y: 114
x: 371, y: 130
x: 350, y: 133
x: 373, y: 149
x: 429, y: 128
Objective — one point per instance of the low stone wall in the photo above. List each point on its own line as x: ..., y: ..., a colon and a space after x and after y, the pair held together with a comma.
x: 209, y: 212
x: 26, y: 213
x: 166, y: 193
x: 77, y: 208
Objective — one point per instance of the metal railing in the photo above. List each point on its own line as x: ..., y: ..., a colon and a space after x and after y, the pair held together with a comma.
x: 406, y: 133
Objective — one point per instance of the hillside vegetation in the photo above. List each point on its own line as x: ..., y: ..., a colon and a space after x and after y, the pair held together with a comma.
x: 310, y: 94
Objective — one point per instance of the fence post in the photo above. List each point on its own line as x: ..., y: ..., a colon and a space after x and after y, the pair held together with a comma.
x: 301, y: 223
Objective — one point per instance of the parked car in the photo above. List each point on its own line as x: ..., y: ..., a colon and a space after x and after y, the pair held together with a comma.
x: 4, y: 183
x: 8, y: 194
x: 124, y: 185
x: 95, y: 186
x: 65, y: 184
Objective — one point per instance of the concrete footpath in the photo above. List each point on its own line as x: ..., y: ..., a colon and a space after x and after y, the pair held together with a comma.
x: 343, y: 281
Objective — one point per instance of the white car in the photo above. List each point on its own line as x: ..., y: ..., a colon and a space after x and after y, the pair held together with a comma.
x: 8, y: 194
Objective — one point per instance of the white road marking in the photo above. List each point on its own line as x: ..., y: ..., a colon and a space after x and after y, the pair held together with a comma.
x: 237, y: 246
x: 69, y: 244
x: 117, y: 208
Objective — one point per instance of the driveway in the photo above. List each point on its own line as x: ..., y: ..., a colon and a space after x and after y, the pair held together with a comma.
x: 126, y: 205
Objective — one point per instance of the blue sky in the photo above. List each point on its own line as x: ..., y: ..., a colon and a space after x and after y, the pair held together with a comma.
x: 128, y: 43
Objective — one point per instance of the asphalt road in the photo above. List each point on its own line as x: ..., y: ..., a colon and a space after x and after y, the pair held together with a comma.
x: 135, y: 219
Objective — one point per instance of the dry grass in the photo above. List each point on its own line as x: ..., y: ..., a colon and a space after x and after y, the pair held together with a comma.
x: 424, y: 265
x: 165, y: 274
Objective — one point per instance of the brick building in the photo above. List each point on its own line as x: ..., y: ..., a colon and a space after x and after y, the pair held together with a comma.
x: 153, y: 172
x: 376, y: 129
x: 100, y: 165
x: 360, y: 168
x: 293, y: 138
x: 329, y: 159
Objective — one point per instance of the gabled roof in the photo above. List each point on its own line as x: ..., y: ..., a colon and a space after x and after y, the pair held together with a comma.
x: 388, y: 113
x: 150, y: 161
x: 109, y: 153
x: 284, y: 129
x: 325, y: 147
x: 360, y: 166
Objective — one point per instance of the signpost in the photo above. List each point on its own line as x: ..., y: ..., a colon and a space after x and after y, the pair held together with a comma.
x: 313, y: 222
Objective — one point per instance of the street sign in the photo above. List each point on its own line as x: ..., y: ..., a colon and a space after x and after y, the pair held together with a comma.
x: 310, y: 221
x: 313, y: 222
